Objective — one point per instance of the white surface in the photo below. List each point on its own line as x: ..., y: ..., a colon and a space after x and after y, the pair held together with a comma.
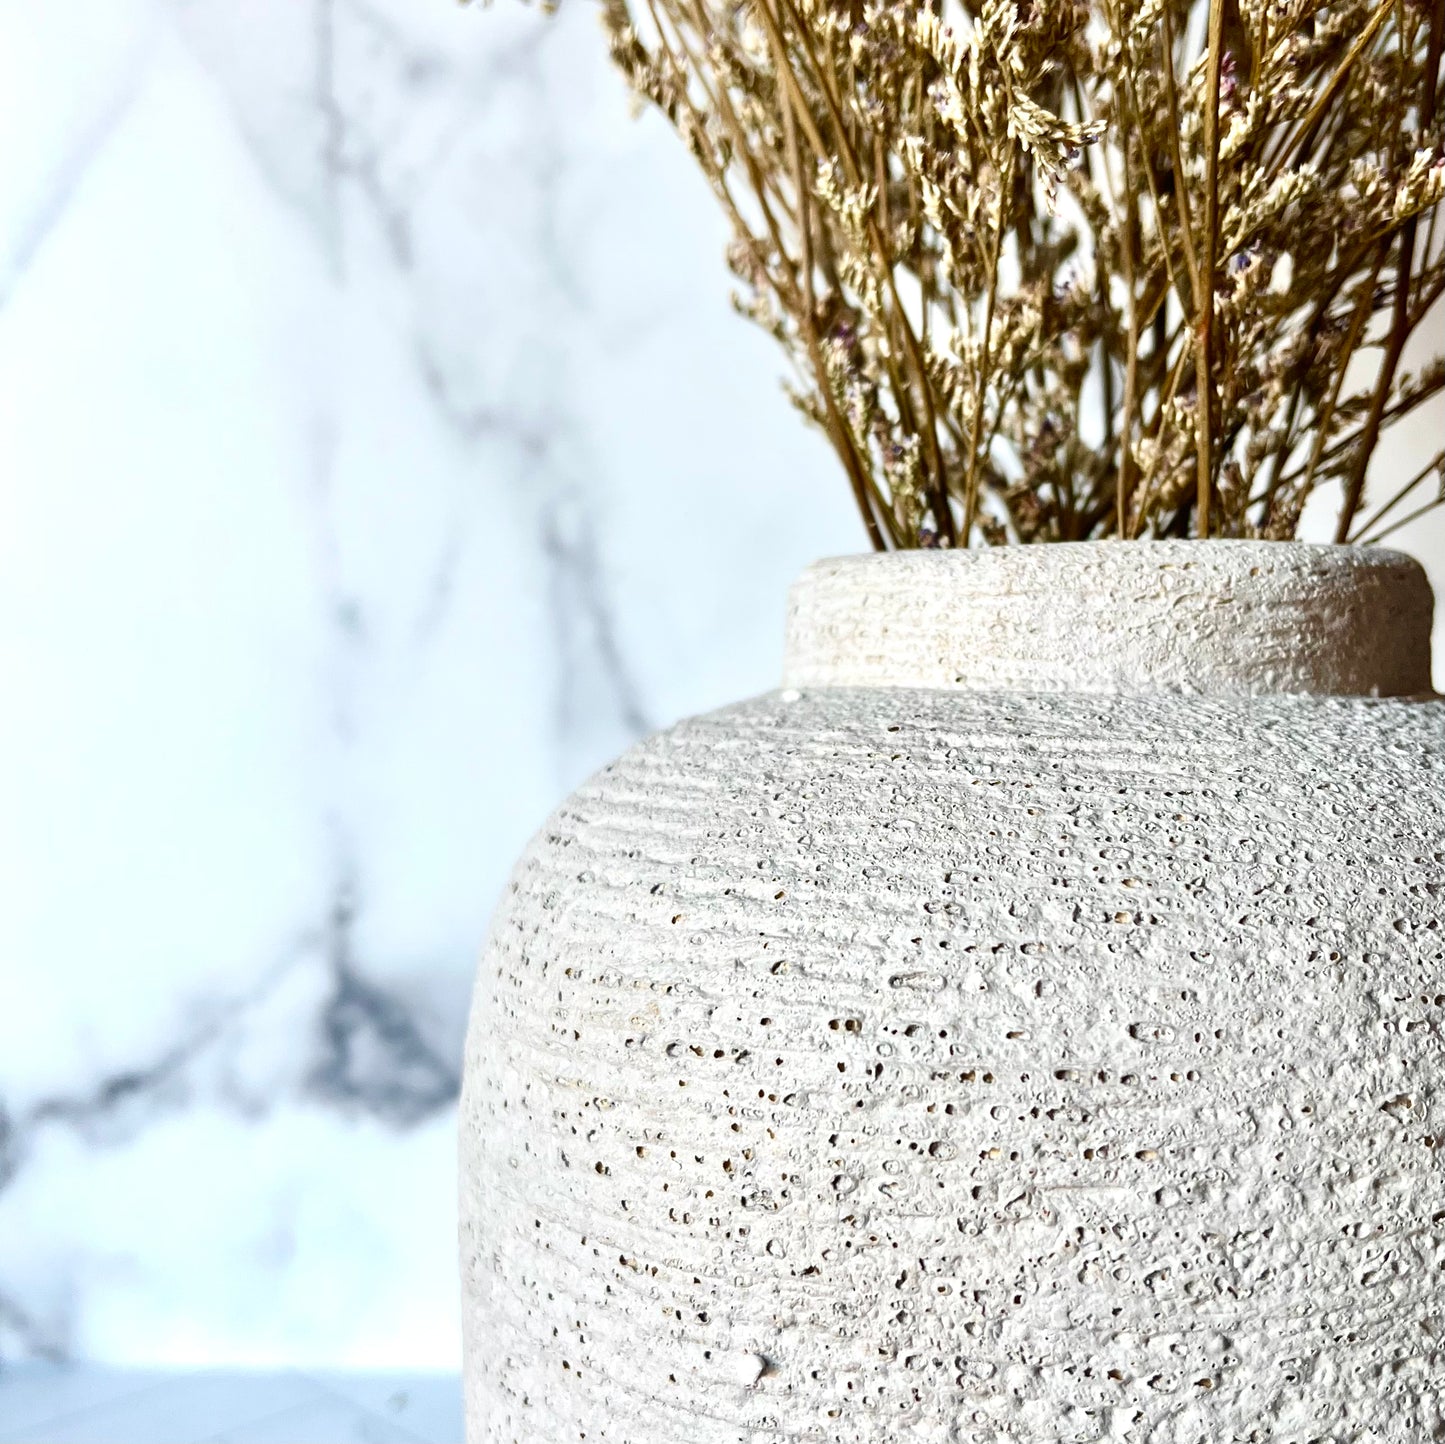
x: 43, y: 1404
x: 975, y: 1064
x: 378, y: 454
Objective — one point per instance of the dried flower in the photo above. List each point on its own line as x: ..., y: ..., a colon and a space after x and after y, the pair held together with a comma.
x: 1066, y: 270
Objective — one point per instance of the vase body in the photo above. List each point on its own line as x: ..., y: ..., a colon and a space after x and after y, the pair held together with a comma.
x: 1028, y: 1025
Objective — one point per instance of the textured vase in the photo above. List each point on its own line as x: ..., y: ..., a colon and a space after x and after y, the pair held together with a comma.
x: 1026, y: 1026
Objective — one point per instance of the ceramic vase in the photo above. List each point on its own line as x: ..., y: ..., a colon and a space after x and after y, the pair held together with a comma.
x: 1026, y: 1025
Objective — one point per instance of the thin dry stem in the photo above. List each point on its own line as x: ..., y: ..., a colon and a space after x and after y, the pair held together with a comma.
x: 1051, y: 271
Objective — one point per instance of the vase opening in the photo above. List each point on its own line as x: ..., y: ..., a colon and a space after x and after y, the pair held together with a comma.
x: 1218, y: 617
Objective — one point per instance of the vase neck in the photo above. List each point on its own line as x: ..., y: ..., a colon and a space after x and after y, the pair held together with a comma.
x: 1205, y: 617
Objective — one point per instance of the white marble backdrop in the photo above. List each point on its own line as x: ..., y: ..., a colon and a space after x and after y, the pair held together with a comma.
x: 378, y: 454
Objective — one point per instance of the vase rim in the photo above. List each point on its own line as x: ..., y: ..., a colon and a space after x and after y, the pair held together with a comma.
x: 1216, y: 617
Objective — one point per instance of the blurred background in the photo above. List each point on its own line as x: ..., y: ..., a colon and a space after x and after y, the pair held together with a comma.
x: 378, y: 455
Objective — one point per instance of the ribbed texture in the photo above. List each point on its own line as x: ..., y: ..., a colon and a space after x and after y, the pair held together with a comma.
x: 880, y: 1065
x: 1218, y: 618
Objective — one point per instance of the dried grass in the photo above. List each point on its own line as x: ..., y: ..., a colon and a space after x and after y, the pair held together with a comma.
x: 1008, y: 248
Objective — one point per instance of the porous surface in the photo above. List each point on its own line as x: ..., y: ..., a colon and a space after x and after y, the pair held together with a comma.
x: 869, y: 1065
x: 879, y: 1062
x: 1216, y: 617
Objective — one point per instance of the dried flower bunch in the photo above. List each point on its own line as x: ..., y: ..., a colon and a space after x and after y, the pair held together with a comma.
x: 1049, y: 270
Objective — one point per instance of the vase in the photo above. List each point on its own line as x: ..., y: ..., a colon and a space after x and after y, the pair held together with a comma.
x: 1026, y: 1025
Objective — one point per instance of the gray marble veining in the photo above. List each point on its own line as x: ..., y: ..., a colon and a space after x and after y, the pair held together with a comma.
x: 382, y: 457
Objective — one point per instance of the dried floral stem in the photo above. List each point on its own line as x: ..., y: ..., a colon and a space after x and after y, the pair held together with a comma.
x: 1128, y: 239
x: 1436, y: 464
x: 808, y: 320
x: 978, y: 445
x: 1203, y: 351
x: 1400, y: 321
x: 1301, y: 144
x: 1325, y: 418
x: 973, y: 223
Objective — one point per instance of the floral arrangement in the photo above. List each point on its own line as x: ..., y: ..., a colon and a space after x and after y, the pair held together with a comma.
x: 1051, y: 270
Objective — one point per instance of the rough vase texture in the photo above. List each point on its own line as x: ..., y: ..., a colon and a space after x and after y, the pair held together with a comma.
x: 943, y: 1051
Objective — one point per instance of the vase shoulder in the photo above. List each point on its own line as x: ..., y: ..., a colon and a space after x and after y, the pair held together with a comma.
x: 857, y: 1054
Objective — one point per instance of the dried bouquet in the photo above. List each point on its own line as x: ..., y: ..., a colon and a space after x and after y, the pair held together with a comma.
x: 1050, y: 270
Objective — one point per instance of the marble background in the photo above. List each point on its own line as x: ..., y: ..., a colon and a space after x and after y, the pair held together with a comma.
x: 378, y: 454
